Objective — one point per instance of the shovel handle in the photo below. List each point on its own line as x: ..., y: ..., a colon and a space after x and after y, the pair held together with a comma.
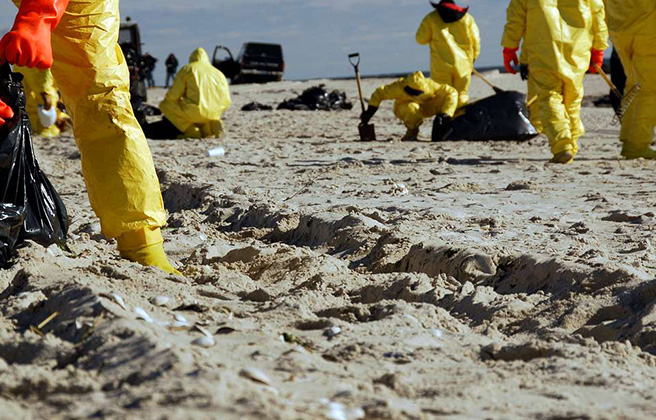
x: 603, y: 74
x: 356, y: 66
x: 487, y: 82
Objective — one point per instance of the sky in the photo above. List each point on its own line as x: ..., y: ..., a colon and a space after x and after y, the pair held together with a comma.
x: 316, y: 35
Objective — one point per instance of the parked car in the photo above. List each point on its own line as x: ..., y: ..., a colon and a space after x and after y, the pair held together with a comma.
x: 130, y: 42
x: 256, y: 63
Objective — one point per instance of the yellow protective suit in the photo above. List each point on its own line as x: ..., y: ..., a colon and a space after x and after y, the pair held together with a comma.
x: 117, y: 165
x: 454, y: 47
x: 34, y: 82
x: 632, y: 25
x: 412, y: 110
x: 558, y: 37
x: 198, y: 97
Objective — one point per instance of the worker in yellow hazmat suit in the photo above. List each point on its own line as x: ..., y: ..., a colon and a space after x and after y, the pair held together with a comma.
x: 562, y: 39
x: 39, y: 86
x: 81, y: 38
x: 455, y: 44
x: 415, y: 98
x: 197, y: 99
x: 632, y: 25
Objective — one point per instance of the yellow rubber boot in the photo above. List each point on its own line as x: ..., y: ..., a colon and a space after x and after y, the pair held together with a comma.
x: 193, y: 132
x: 631, y: 152
x: 411, y: 134
x: 145, y: 246
x: 563, y: 157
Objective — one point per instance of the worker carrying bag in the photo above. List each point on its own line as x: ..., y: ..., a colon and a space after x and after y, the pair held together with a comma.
x: 502, y: 116
x: 30, y: 208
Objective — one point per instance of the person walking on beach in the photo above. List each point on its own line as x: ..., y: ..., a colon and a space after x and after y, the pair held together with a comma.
x: 562, y: 40
x: 455, y: 44
x: 171, y: 69
x: 79, y: 40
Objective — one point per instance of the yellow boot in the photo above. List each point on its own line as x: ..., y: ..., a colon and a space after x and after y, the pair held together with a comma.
x: 563, y: 157
x: 145, y: 246
x: 411, y: 134
x: 193, y: 132
x: 632, y: 152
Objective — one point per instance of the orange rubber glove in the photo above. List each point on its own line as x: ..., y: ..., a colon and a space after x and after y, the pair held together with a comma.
x: 6, y: 113
x: 596, y: 57
x: 28, y: 43
x: 510, y: 58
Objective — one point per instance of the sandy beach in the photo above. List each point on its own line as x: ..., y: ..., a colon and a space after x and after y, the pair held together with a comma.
x: 330, y: 278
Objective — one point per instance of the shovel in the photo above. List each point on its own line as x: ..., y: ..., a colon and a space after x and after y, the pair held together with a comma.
x: 367, y: 131
x: 487, y: 82
x: 626, y: 99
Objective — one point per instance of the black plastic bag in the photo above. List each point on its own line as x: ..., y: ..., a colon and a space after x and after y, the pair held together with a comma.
x: 11, y: 223
x: 22, y: 184
x: 317, y: 98
x: 499, y: 117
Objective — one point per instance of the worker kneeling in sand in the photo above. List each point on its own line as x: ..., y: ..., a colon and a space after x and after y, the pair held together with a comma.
x: 194, y: 104
x: 415, y: 98
x: 455, y: 44
x: 562, y: 40
x: 42, y: 97
x: 93, y: 78
x: 632, y: 25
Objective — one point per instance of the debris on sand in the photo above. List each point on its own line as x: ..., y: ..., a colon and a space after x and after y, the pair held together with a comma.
x: 317, y: 98
x: 256, y: 106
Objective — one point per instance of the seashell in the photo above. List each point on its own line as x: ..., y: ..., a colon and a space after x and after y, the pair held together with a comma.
x: 437, y: 333
x: 225, y: 331
x: 204, y: 341
x: 332, y: 332
x: 160, y: 300
x: 255, y: 375
x: 203, y: 330
x: 142, y: 314
x: 119, y: 301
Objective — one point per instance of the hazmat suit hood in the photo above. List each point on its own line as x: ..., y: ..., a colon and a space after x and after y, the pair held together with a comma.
x: 199, y: 55
x: 449, y: 11
x: 417, y: 81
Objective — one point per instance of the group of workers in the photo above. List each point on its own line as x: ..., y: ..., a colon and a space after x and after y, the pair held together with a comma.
x: 78, y: 41
x: 560, y: 41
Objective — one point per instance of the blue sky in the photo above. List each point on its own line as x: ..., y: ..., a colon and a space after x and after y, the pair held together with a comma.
x: 317, y: 35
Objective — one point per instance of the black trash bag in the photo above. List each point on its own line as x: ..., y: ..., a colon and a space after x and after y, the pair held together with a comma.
x: 22, y: 183
x: 256, y: 106
x: 499, y: 117
x: 11, y: 223
x: 317, y: 98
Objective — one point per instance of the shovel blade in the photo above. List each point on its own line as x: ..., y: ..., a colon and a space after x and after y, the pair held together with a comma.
x: 367, y: 132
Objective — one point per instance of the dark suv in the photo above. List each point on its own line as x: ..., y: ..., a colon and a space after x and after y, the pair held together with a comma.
x: 256, y: 63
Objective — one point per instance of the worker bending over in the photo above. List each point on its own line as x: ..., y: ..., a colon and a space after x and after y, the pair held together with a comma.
x: 455, y: 44
x: 415, y: 98
x: 562, y: 40
x: 194, y: 104
x: 632, y: 25
x: 82, y: 38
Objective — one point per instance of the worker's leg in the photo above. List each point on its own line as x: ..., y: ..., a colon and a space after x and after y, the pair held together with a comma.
x: 93, y: 77
x: 532, y: 98
x: 461, y: 84
x: 573, y: 98
x: 411, y: 115
x: 553, y: 114
x: 639, y: 59
x: 212, y: 129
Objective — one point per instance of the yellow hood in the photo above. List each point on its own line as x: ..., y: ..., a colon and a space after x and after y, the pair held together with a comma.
x: 199, y: 55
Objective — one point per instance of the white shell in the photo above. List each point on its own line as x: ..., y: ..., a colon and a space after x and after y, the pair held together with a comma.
x: 160, y: 300
x: 437, y: 333
x: 204, y: 341
x: 255, y: 375
x: 142, y: 314
x: 332, y: 332
x: 119, y: 301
